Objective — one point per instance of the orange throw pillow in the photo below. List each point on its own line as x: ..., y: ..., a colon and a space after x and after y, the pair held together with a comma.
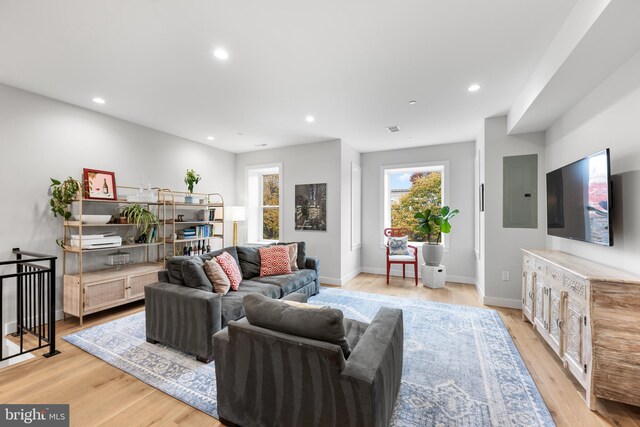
x: 231, y: 269
x: 274, y: 260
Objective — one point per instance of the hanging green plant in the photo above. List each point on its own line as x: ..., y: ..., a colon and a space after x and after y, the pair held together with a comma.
x: 62, y: 195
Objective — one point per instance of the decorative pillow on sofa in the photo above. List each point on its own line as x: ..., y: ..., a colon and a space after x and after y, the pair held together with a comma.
x: 301, y: 259
x: 274, y: 260
x: 323, y: 324
x: 194, y: 276
x: 231, y: 269
x: 399, y: 245
x: 293, y: 256
x: 217, y: 276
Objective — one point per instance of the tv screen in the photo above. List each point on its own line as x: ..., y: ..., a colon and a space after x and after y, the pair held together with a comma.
x: 579, y: 200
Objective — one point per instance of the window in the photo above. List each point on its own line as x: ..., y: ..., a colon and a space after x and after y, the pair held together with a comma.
x: 264, y: 199
x: 409, y: 189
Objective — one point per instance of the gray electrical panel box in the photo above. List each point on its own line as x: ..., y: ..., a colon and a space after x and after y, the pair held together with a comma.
x: 520, y: 192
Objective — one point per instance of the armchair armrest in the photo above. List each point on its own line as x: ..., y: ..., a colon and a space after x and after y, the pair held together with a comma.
x: 415, y: 251
x: 182, y: 317
x: 376, y: 362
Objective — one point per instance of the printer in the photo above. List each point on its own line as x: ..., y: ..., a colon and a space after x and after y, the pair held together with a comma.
x: 95, y: 241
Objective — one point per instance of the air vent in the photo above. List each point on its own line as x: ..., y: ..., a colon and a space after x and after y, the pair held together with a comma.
x: 393, y: 129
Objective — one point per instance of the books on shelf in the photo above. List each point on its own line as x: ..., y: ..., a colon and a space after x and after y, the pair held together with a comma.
x: 196, y: 232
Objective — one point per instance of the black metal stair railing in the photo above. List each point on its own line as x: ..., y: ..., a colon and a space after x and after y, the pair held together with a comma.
x: 35, y: 298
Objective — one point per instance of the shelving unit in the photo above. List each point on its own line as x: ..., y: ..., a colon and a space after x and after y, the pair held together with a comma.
x: 96, y: 288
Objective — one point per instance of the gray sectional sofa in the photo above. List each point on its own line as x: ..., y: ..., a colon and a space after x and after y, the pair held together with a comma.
x: 183, y: 312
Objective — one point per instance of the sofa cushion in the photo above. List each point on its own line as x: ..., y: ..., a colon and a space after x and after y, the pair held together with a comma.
x: 231, y: 268
x: 289, y: 282
x: 323, y: 324
x: 274, y: 260
x: 217, y: 277
x: 194, y: 276
x: 231, y: 304
x: 249, y: 261
x: 174, y: 264
x: 354, y: 329
x: 302, y: 253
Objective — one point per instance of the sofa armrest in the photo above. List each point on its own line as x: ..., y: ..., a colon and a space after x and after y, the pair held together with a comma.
x: 182, y: 317
x: 376, y: 362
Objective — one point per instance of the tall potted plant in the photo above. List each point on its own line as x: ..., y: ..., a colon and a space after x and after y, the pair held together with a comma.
x: 191, y: 179
x: 433, y: 224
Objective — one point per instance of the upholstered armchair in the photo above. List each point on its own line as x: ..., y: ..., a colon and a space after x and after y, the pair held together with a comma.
x: 411, y: 258
x: 267, y: 377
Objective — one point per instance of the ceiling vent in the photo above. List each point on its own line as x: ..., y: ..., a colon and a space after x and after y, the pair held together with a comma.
x: 393, y: 129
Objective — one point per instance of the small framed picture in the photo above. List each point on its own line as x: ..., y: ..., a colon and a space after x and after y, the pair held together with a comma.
x: 99, y: 184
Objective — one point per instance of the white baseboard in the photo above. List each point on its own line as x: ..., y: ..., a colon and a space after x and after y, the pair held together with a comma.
x: 339, y: 282
x: 502, y: 302
x: 11, y: 327
x: 350, y: 276
x: 396, y: 273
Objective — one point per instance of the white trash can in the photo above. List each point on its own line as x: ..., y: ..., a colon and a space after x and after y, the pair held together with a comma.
x: 433, y: 277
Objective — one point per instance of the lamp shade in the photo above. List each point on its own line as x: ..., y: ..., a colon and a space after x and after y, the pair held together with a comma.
x: 235, y: 213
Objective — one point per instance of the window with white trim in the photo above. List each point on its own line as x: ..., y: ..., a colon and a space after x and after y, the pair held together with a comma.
x: 409, y: 189
x: 264, y: 200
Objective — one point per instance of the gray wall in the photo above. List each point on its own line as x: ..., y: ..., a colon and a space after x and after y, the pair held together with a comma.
x: 304, y: 164
x: 42, y: 138
x: 460, y: 257
x: 500, y: 247
x: 606, y: 118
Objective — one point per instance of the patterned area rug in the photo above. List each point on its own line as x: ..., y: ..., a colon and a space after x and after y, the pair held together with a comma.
x: 461, y: 367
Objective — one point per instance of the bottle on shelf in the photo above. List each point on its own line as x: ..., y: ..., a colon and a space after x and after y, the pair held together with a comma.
x: 190, y: 250
x: 185, y: 251
x: 198, y: 249
x: 208, y: 247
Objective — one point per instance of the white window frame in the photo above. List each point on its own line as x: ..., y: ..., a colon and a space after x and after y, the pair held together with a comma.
x: 385, y: 200
x: 254, y: 202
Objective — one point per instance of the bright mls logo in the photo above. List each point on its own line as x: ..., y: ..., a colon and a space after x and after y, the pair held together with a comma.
x: 34, y: 415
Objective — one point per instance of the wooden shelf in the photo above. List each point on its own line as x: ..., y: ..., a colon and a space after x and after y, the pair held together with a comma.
x: 217, y: 221
x: 195, y: 239
x: 72, y: 249
x: 120, y: 201
x: 112, y: 273
x: 77, y: 224
x: 195, y: 205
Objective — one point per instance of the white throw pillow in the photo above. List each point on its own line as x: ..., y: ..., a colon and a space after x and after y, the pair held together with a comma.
x: 399, y: 245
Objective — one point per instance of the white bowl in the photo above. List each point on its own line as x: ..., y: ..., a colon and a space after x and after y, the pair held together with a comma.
x: 93, y: 219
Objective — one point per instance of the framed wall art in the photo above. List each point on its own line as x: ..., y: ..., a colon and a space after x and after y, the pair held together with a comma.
x: 99, y: 184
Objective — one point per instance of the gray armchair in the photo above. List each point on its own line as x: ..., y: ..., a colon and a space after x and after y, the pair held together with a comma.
x: 269, y: 378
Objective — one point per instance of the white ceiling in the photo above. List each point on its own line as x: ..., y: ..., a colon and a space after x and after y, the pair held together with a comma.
x: 354, y: 65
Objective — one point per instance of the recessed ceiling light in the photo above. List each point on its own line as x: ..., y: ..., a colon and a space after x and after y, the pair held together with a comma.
x: 210, y: 138
x: 221, y: 54
x: 474, y: 87
x: 412, y: 102
x: 99, y: 100
x: 310, y: 119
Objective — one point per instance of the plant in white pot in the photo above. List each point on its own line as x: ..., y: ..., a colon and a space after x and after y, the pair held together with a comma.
x: 191, y: 179
x: 432, y: 224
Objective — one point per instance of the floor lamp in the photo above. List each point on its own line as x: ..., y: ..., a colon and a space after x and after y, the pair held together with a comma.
x: 235, y: 214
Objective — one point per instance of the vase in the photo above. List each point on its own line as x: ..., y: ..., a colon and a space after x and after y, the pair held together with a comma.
x: 189, y: 199
x: 432, y: 253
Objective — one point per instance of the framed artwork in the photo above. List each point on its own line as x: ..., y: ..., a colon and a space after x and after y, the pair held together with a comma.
x: 311, y: 207
x: 99, y: 184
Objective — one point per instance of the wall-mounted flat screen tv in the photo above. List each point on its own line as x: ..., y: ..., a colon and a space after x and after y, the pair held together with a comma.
x: 579, y: 200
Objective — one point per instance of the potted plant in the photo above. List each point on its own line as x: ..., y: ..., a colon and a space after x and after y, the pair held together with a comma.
x: 140, y: 216
x: 433, y: 224
x: 191, y: 179
x: 62, y: 194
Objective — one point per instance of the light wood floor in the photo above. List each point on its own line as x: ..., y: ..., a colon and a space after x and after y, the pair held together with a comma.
x: 100, y: 394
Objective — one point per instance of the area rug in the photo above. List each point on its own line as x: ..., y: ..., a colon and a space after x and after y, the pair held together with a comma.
x: 461, y: 367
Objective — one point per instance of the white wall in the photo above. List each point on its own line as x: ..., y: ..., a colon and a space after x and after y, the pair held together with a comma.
x: 42, y: 138
x: 606, y: 118
x: 460, y: 257
x: 304, y: 164
x: 351, y: 258
x: 502, y: 245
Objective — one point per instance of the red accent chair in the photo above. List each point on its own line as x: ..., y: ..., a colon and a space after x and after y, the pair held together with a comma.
x: 412, y: 258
